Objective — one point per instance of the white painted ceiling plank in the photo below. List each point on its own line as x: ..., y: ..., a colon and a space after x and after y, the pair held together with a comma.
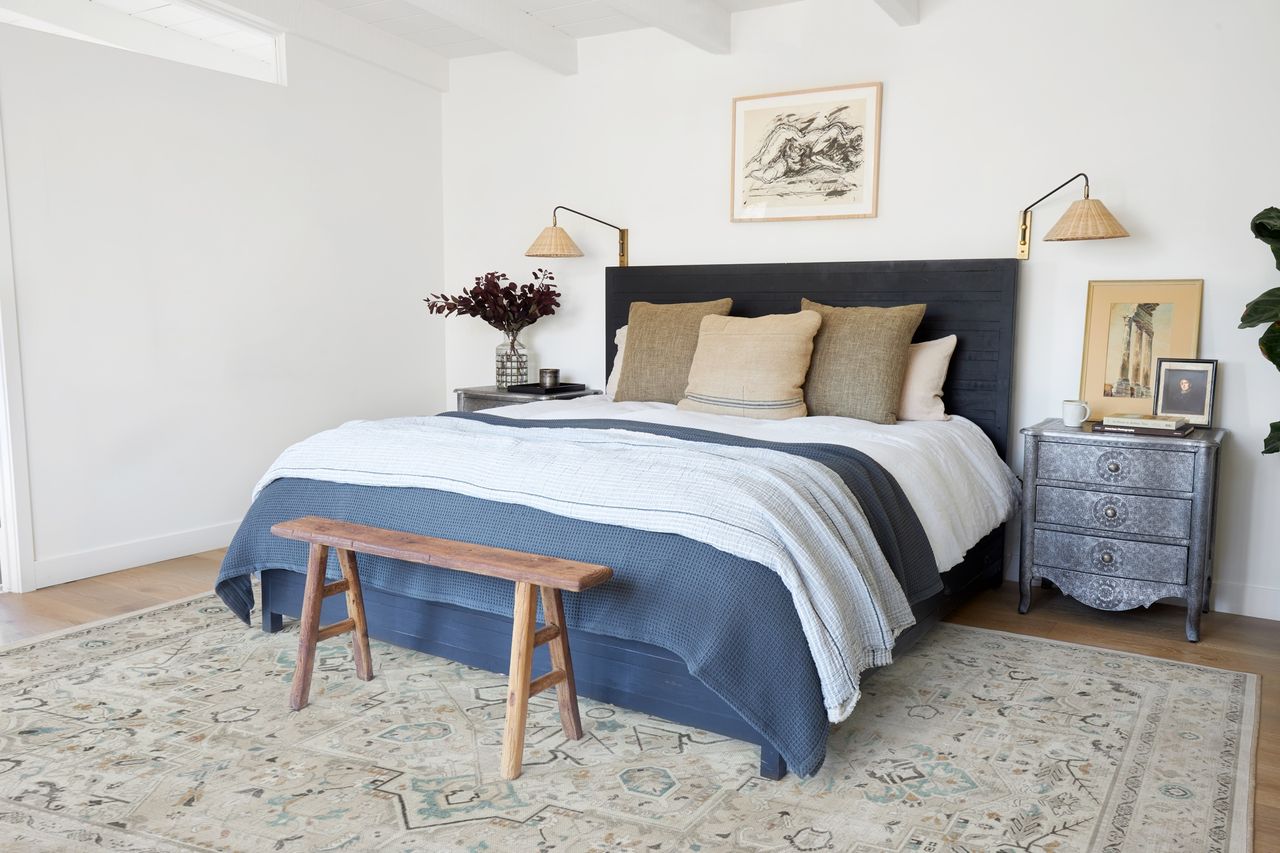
x: 102, y: 23
x: 905, y: 13
x: 702, y: 23
x: 314, y: 21
x: 509, y: 27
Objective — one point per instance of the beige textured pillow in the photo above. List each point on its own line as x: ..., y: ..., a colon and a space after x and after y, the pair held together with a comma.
x: 859, y: 360
x: 620, y: 341
x: 753, y: 367
x: 661, y: 340
x: 927, y: 364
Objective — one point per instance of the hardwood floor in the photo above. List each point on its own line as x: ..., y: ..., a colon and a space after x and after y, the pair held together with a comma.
x: 69, y: 604
x: 1230, y: 642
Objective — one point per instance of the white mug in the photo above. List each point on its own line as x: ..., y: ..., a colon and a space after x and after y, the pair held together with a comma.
x: 1075, y: 412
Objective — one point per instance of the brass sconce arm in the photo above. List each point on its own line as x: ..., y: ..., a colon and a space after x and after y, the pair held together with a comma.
x: 554, y: 242
x: 1086, y: 219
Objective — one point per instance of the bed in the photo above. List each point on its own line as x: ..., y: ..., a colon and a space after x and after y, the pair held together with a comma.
x: 974, y: 300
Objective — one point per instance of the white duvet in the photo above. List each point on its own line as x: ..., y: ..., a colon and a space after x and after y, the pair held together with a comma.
x: 949, y: 470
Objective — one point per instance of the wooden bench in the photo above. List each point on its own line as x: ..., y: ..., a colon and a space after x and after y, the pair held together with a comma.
x: 533, y: 575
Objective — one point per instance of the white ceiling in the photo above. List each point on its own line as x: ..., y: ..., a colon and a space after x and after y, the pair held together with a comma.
x: 573, y: 18
x: 200, y: 24
x: 414, y: 38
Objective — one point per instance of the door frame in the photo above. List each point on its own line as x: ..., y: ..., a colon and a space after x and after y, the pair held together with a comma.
x: 17, y: 554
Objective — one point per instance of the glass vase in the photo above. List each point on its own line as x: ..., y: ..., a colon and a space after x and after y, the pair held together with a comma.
x: 510, y: 364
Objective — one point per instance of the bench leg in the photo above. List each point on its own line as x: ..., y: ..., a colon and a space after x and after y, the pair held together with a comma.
x: 566, y: 692
x: 312, y: 598
x: 523, y: 623
x: 355, y: 612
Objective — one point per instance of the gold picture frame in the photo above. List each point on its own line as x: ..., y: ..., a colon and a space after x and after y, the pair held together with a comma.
x: 1128, y: 327
x: 806, y: 154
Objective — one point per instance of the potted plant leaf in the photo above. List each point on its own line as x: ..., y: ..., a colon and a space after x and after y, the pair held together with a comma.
x: 1266, y: 309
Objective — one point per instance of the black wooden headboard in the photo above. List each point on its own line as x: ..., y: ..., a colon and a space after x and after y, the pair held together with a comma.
x: 974, y: 300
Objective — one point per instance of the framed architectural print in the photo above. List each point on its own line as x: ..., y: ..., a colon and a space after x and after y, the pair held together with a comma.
x: 808, y: 154
x: 1186, y: 388
x: 1128, y: 327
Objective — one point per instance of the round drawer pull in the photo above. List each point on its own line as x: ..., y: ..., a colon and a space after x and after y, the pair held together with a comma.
x: 1111, y: 511
x: 1107, y: 557
x: 1111, y: 468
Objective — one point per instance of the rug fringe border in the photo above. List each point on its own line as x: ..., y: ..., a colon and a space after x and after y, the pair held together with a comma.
x: 1246, y: 774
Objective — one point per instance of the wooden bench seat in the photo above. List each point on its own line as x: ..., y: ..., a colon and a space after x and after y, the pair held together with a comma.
x: 533, y: 574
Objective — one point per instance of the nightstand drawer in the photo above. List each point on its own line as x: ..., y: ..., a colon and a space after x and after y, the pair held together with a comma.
x: 1138, y: 514
x: 1117, y: 466
x: 1145, y: 561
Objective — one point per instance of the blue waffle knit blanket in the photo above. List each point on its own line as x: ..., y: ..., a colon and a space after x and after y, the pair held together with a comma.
x: 668, y: 590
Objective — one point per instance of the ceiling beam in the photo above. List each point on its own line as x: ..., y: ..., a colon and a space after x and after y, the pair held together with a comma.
x: 316, y: 22
x: 510, y: 28
x: 702, y: 23
x: 905, y: 13
x: 105, y: 25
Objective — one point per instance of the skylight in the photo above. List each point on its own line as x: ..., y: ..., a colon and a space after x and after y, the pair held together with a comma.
x: 180, y: 30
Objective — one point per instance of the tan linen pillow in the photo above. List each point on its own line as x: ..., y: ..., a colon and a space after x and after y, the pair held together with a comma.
x: 927, y: 364
x: 753, y: 367
x: 859, y: 360
x: 620, y: 341
x: 661, y: 340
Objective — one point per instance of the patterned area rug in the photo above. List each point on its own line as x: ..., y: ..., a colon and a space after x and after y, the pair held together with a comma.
x: 170, y: 730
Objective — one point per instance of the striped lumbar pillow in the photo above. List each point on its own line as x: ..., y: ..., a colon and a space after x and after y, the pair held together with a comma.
x: 753, y: 367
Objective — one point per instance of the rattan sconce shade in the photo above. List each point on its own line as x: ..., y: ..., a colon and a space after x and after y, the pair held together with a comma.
x: 1086, y: 219
x: 553, y: 242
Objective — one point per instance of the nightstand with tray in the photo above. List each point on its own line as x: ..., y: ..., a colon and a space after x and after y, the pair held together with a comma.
x: 491, y: 397
x: 1119, y: 521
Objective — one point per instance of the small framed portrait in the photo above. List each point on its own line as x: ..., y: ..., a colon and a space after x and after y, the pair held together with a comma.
x: 1186, y: 387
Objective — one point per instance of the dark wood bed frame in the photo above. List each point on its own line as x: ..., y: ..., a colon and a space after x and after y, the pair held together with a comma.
x: 972, y: 299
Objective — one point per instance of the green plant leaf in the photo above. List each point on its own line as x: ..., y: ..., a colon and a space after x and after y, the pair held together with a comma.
x: 1271, y: 444
x: 1269, y: 343
x: 1266, y: 227
x: 1264, y: 309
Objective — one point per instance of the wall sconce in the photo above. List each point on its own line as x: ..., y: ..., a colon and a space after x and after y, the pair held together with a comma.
x: 555, y: 242
x: 1085, y: 219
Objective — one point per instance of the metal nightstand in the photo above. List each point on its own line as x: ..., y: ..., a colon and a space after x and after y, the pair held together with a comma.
x: 1119, y: 521
x: 489, y: 397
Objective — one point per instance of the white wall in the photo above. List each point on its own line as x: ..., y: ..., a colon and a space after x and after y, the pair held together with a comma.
x: 987, y: 104
x: 207, y: 269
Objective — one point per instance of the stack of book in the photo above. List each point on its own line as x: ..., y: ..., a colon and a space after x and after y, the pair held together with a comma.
x: 1140, y: 424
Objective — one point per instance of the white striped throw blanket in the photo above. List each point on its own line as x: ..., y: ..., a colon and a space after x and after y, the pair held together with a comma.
x: 792, y: 515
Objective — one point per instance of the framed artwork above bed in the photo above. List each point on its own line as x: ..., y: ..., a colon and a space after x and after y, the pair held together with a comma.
x: 806, y: 154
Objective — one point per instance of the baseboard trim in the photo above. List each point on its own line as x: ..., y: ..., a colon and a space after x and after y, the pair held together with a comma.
x: 127, y: 555
x: 1246, y: 599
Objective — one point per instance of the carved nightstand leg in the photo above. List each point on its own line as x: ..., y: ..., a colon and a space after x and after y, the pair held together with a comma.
x: 1024, y: 591
x: 1194, y: 605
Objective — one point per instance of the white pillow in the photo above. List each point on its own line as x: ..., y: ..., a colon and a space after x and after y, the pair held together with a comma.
x: 927, y: 364
x: 611, y: 386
